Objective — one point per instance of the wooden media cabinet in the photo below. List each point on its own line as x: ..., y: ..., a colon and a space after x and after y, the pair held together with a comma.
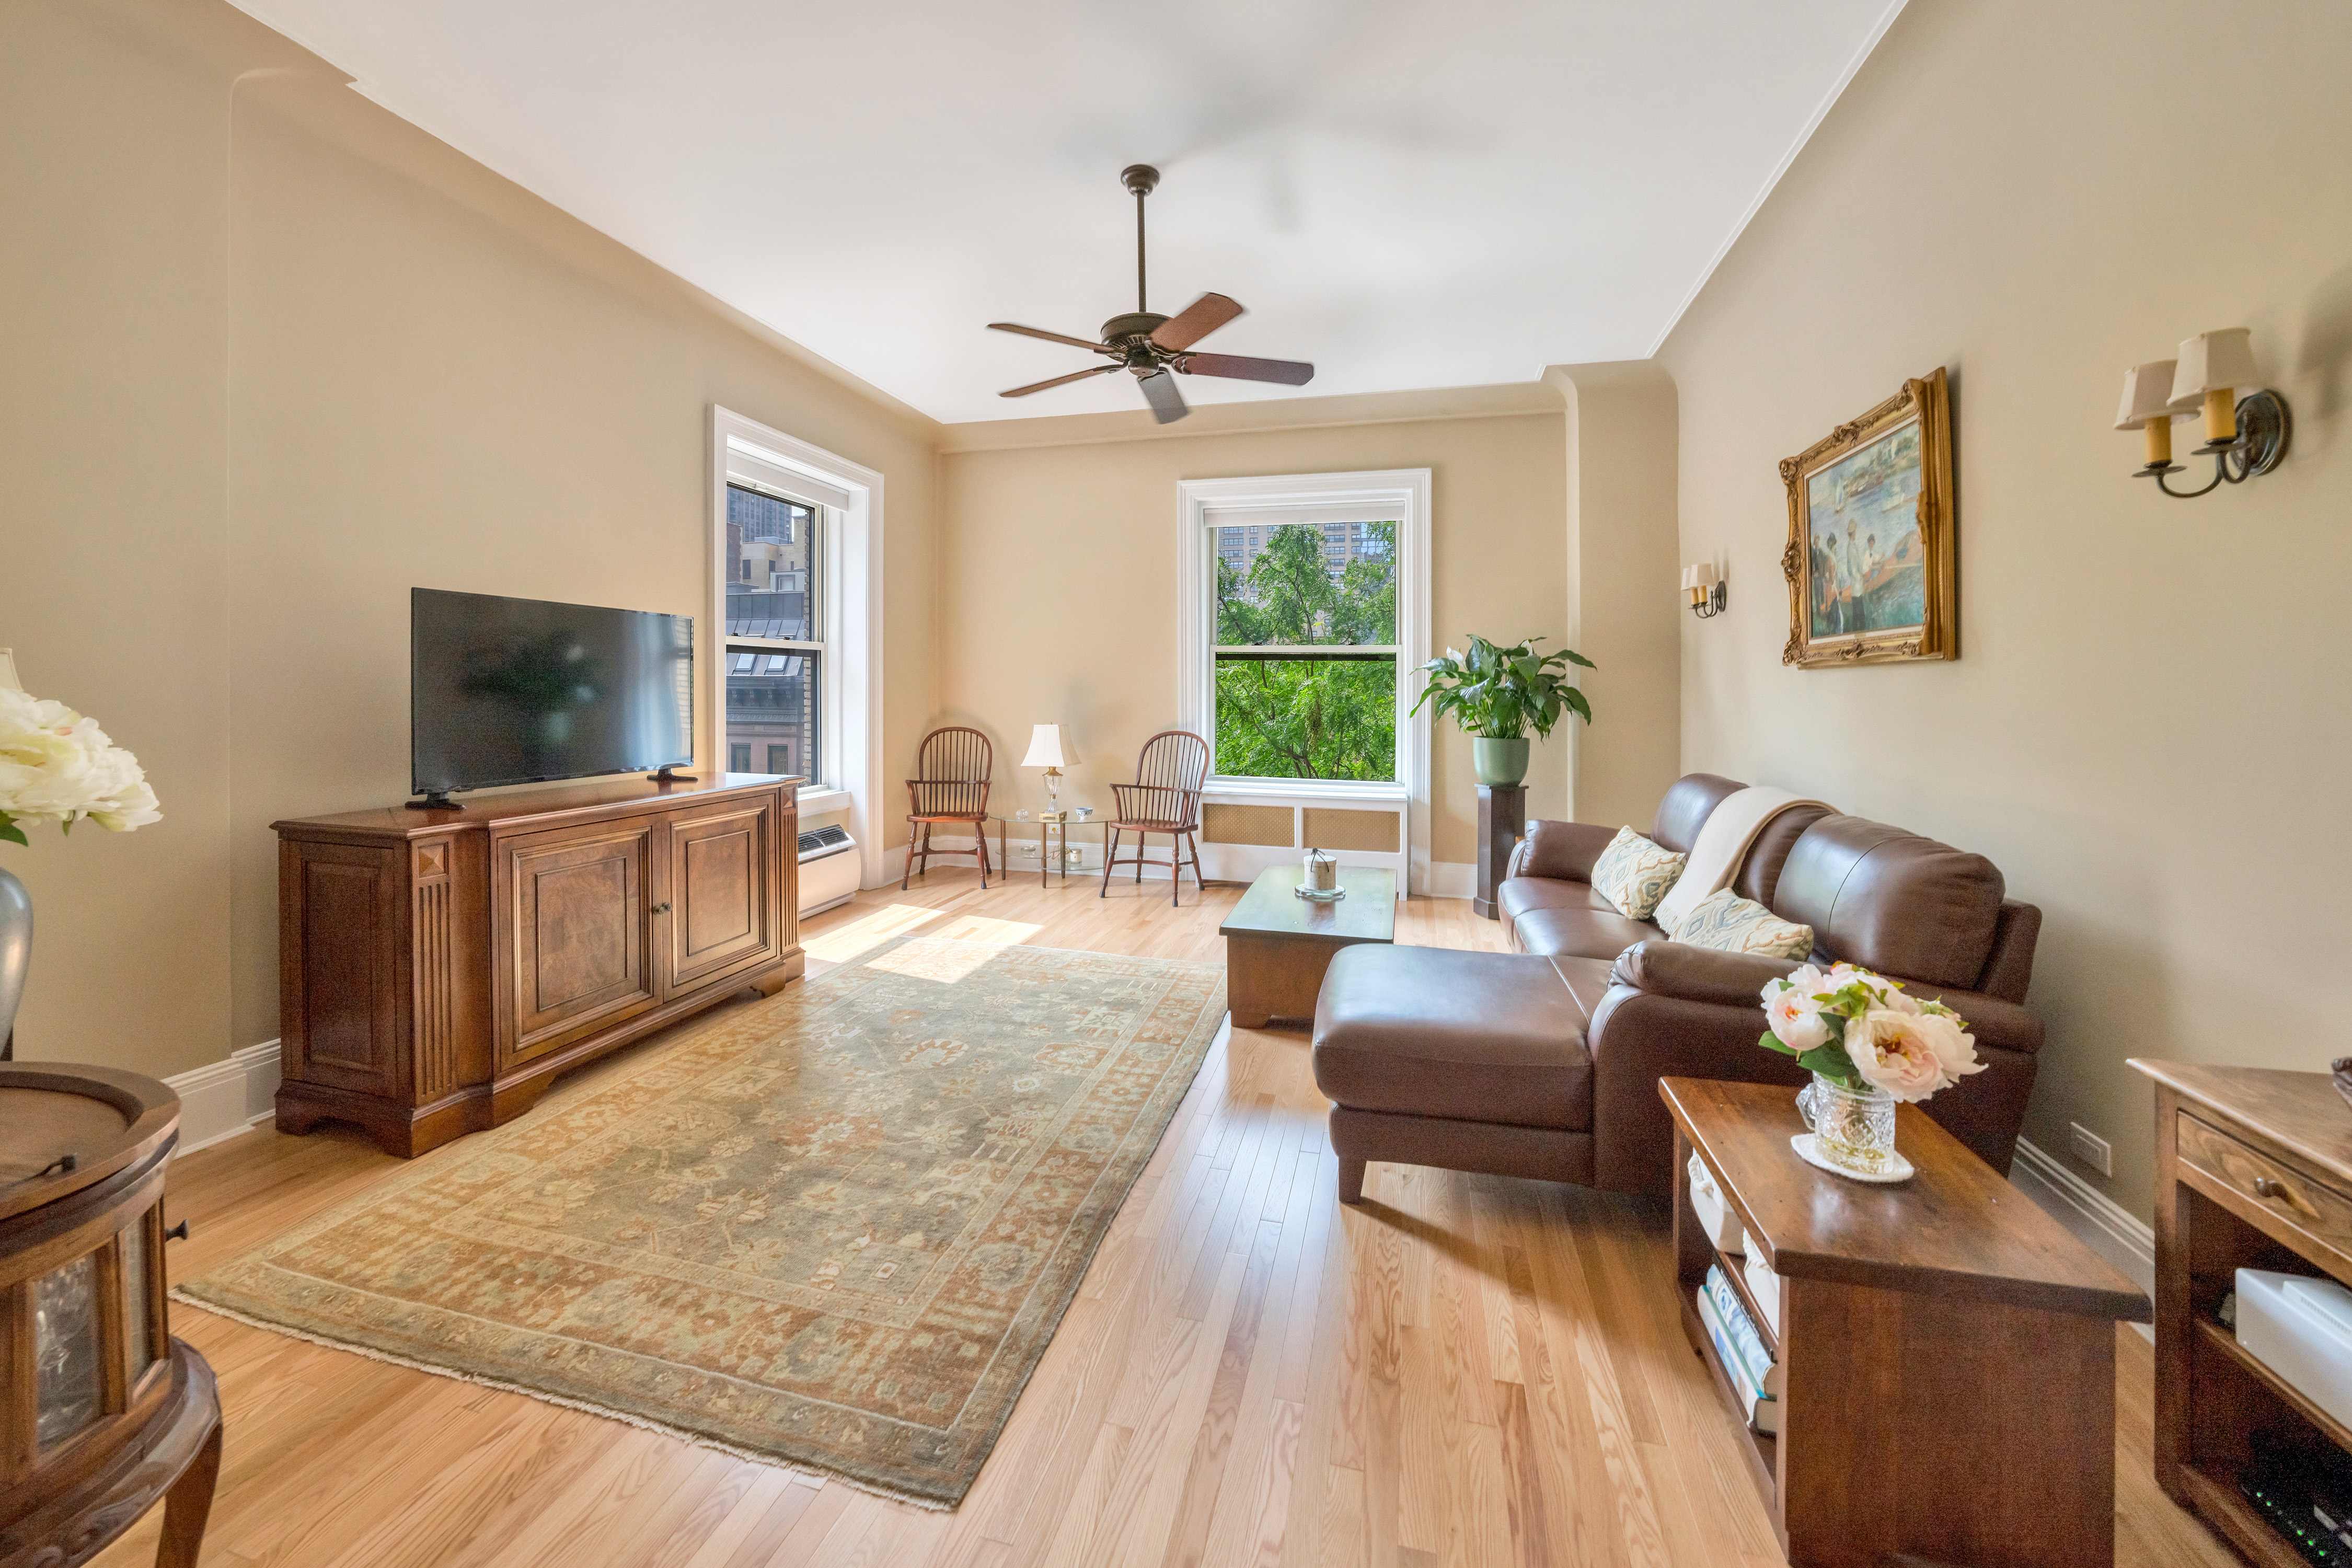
x: 437, y: 969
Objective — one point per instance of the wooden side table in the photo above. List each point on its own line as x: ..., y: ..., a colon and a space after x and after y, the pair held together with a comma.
x: 101, y: 1411
x: 2253, y: 1170
x: 1502, y: 818
x: 1947, y: 1349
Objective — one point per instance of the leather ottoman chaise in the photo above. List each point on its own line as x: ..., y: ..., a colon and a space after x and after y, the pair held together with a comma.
x: 1544, y: 1062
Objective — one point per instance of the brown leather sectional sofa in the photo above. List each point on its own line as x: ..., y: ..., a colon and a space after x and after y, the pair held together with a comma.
x: 1544, y: 1062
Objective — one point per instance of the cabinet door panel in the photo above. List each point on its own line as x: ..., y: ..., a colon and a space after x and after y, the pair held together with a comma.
x: 341, y: 939
x: 580, y: 909
x: 722, y: 891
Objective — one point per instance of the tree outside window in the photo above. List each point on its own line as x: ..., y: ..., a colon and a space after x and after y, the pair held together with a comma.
x: 1305, y: 651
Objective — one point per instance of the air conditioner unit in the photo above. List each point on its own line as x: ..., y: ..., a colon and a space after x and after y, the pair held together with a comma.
x: 829, y: 868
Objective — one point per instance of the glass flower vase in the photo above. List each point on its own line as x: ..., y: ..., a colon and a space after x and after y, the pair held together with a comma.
x: 1852, y: 1129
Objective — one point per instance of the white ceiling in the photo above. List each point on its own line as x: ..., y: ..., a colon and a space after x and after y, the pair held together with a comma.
x: 1407, y: 195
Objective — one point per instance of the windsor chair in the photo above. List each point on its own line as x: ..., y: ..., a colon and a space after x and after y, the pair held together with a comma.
x: 1164, y: 798
x: 952, y: 767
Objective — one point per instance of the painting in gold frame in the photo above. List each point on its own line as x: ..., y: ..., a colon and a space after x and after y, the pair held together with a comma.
x: 1872, y: 558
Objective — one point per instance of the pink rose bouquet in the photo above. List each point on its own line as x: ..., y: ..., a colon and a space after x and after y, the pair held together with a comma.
x: 1860, y: 1032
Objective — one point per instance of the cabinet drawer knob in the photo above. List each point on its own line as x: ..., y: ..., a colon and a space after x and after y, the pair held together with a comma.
x: 2269, y: 1187
x: 177, y: 1233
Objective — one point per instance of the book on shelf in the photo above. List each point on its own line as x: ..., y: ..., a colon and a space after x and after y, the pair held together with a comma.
x: 1762, y: 1410
x: 1762, y: 1370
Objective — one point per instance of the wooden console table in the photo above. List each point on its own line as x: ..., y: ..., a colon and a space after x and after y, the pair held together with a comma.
x: 1944, y: 1323
x: 2253, y: 1170
x: 438, y: 968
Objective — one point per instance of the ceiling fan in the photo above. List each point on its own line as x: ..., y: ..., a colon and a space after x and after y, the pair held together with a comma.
x: 1151, y: 346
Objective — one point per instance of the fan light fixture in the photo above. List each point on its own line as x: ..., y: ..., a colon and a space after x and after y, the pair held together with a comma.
x: 1153, y: 346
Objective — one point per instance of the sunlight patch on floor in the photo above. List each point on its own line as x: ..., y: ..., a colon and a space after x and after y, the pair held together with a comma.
x: 839, y: 945
x: 980, y: 927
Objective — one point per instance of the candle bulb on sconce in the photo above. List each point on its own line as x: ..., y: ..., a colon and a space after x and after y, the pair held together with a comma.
x: 2243, y: 436
x: 1705, y: 587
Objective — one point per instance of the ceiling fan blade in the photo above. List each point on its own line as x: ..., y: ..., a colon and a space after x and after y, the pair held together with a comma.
x: 1241, y: 367
x: 1060, y: 381
x: 1198, y: 319
x: 1160, y: 391
x: 1050, y: 337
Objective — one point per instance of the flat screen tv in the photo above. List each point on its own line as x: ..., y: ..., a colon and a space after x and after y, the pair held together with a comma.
x: 505, y: 691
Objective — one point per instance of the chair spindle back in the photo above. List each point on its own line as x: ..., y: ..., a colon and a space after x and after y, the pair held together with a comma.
x: 952, y: 768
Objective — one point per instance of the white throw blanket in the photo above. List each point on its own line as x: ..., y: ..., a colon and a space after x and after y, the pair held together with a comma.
x: 1722, y: 845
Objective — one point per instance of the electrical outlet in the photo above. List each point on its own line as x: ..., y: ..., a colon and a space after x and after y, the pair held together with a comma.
x: 2091, y: 1148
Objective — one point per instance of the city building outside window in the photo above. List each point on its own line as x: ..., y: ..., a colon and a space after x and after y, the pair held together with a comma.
x: 774, y: 644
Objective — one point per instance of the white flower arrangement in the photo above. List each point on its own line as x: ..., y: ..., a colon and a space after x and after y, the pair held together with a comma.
x: 1860, y: 1031
x: 56, y: 765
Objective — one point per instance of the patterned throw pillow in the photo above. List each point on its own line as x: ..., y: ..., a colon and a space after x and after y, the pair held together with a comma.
x: 1633, y: 873
x: 1729, y: 923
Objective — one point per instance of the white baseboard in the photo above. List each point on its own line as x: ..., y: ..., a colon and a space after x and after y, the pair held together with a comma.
x: 221, y: 1099
x: 2096, y: 1220
x: 1453, y: 879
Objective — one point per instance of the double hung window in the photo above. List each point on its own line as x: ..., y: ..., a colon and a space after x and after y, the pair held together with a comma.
x: 773, y: 569
x: 1305, y: 649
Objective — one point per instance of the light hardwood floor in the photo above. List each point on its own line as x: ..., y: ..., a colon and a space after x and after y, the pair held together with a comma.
x: 1464, y: 1370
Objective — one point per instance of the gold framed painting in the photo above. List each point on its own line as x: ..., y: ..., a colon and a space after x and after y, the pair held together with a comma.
x: 1871, y: 560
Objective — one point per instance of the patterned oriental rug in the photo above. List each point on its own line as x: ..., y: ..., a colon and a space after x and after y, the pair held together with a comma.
x: 836, y: 1229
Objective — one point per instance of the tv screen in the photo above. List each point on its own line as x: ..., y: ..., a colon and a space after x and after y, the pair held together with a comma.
x: 519, y: 691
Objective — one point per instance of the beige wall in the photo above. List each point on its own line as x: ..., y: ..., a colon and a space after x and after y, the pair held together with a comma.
x: 2147, y: 728
x: 1058, y: 574
x: 271, y: 357
x: 1621, y: 577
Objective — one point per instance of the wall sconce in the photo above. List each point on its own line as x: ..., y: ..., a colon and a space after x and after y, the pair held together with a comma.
x: 1705, y: 589
x: 2244, y: 436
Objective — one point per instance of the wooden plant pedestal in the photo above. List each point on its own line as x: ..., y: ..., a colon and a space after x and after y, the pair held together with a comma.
x: 1502, y: 818
x: 1947, y: 1349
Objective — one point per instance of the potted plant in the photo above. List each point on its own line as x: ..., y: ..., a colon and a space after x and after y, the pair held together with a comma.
x: 1494, y: 694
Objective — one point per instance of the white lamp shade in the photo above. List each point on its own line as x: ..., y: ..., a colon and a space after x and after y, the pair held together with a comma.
x: 1045, y: 748
x: 1701, y: 575
x: 2214, y: 362
x: 2147, y: 395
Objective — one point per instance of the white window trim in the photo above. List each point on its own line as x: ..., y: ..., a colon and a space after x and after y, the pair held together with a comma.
x: 850, y: 720
x: 1276, y: 498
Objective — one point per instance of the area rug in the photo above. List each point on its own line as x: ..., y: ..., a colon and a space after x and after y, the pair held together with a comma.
x: 836, y: 1229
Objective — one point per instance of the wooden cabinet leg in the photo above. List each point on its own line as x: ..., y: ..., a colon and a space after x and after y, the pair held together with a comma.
x: 188, y: 1505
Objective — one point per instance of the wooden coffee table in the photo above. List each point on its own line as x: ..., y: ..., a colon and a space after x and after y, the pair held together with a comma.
x: 1277, y: 944
x: 1945, y: 1322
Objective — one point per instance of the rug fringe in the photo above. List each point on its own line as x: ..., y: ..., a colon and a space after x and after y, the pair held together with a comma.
x: 883, y: 1489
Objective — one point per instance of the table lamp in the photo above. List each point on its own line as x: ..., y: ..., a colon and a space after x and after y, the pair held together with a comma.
x: 1048, y: 750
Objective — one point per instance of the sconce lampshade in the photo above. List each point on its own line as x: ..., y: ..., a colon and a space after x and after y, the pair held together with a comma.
x: 2213, y: 365
x: 1045, y: 748
x: 1701, y: 576
x: 2214, y: 362
x: 2147, y: 395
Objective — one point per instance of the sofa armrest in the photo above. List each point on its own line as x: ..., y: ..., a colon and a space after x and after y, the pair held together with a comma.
x: 1562, y: 849
x: 1639, y: 1036
x: 1993, y: 1022
x: 1737, y: 979
x: 1699, y: 974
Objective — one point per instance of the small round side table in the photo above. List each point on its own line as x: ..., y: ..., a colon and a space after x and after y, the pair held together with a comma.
x: 101, y: 1411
